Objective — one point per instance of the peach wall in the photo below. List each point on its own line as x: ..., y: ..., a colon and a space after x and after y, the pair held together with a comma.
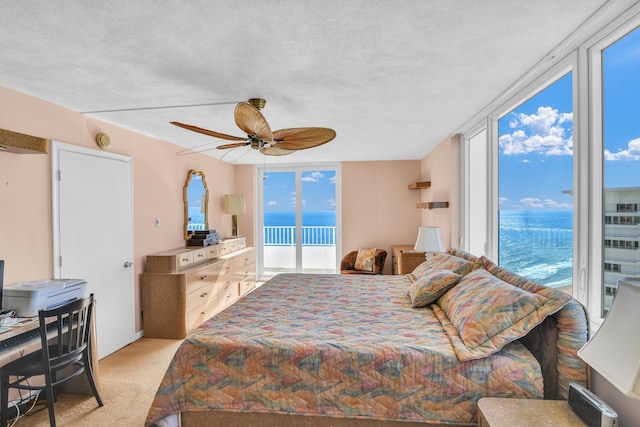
x: 442, y: 167
x: 378, y: 210
x: 159, y: 176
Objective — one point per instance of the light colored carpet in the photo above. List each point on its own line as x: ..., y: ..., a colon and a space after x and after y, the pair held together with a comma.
x: 128, y: 381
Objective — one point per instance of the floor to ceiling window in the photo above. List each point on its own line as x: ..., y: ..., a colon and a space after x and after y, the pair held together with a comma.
x: 620, y: 65
x: 299, y: 220
x: 535, y: 182
x: 563, y: 178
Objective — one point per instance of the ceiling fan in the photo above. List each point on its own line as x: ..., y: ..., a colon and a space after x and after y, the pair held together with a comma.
x: 259, y: 135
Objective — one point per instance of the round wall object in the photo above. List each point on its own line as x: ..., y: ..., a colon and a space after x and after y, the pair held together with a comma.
x: 103, y: 140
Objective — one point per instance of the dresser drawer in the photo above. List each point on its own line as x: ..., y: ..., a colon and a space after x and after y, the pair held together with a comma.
x: 201, y: 313
x: 245, y: 259
x: 202, y: 295
x: 207, y: 274
x: 247, y: 286
x: 228, y: 294
x: 200, y: 256
x: 213, y: 251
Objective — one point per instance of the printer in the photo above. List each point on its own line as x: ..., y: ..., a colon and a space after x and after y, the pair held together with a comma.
x: 26, y: 298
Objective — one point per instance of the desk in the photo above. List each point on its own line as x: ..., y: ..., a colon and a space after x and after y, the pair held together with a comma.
x: 78, y: 385
x: 404, y: 259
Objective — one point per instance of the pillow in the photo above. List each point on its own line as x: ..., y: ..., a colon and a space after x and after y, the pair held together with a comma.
x: 443, y: 261
x: 431, y: 286
x: 365, y: 259
x: 483, y: 313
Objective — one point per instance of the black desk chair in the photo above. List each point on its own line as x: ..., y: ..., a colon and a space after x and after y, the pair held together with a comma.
x: 64, y: 355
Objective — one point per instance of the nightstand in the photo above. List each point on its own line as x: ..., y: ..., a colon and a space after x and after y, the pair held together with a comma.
x: 404, y: 259
x: 498, y: 412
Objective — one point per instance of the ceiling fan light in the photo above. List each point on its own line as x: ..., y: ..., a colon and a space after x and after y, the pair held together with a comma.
x: 259, y: 103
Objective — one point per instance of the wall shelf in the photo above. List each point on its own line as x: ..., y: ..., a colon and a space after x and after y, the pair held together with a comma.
x: 419, y: 185
x: 432, y: 205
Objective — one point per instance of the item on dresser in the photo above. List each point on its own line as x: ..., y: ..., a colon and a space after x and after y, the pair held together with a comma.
x: 181, y: 288
x: 203, y: 238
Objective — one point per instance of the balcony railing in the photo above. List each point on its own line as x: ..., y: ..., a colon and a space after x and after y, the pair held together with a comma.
x: 311, y: 235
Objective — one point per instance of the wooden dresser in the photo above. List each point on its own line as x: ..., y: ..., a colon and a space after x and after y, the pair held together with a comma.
x: 181, y: 288
x: 404, y: 259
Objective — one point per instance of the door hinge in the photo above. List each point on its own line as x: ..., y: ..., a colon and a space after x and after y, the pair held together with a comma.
x: 60, y: 261
x: 59, y: 175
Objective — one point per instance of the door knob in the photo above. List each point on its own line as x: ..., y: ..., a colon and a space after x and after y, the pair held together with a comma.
x: 128, y: 264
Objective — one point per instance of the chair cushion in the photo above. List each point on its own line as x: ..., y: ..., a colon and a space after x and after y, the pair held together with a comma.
x: 365, y: 260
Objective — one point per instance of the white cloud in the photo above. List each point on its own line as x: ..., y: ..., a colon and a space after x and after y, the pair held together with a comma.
x: 557, y: 205
x: 314, y: 177
x: 503, y: 200
x: 331, y: 202
x: 541, y: 133
x: 272, y: 203
x: 532, y: 202
x: 631, y: 153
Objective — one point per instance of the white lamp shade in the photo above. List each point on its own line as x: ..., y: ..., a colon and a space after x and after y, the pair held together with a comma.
x: 614, y: 351
x: 234, y: 204
x: 429, y: 240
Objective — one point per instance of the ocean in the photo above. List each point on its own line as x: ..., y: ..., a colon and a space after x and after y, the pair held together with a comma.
x: 538, y: 245
x: 309, y: 218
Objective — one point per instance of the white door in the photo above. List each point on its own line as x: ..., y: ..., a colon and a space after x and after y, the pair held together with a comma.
x: 93, y: 235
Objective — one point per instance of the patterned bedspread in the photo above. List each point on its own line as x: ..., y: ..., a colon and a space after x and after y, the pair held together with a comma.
x: 336, y: 345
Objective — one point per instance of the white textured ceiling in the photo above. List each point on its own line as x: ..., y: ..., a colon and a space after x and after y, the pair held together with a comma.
x: 393, y: 78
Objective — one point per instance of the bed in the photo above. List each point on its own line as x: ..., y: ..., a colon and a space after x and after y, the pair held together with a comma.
x: 350, y: 350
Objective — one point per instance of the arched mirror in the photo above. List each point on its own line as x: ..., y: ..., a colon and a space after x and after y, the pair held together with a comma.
x: 196, y: 203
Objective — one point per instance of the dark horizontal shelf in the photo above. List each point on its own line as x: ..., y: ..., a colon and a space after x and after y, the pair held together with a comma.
x: 419, y: 185
x: 432, y: 205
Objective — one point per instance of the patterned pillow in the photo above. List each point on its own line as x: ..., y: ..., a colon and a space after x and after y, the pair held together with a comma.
x: 431, y: 287
x: 482, y: 313
x: 443, y: 261
x: 365, y: 259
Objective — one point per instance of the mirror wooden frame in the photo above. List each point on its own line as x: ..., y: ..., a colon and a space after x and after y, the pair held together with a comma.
x: 185, y: 195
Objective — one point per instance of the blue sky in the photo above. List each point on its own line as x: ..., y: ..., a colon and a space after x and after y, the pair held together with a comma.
x: 318, y: 191
x: 536, y: 138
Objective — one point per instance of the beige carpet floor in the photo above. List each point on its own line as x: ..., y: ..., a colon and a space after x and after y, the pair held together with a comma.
x: 128, y: 381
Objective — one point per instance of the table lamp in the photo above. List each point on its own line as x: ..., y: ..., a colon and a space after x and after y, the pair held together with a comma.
x: 614, y: 350
x: 429, y: 240
x: 234, y: 204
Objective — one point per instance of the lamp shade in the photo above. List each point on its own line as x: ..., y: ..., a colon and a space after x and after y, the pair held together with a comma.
x: 234, y: 204
x: 429, y: 240
x: 614, y: 350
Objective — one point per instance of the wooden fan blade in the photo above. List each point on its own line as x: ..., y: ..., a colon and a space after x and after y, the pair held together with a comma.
x: 250, y: 119
x: 207, y: 132
x: 302, y: 138
x: 234, y: 145
x: 275, y: 151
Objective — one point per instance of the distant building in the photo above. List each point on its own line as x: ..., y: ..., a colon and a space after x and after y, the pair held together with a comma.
x: 621, y: 237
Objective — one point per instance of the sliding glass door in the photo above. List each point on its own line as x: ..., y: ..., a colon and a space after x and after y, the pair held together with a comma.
x: 299, y: 220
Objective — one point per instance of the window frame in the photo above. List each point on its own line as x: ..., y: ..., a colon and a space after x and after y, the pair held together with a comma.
x: 584, y: 60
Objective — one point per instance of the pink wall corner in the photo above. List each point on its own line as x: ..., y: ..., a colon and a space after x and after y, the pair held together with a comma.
x: 441, y: 167
x: 159, y: 177
x: 378, y: 210
x: 245, y: 183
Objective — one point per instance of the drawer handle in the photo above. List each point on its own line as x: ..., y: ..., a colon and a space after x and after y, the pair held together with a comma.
x: 185, y: 259
x: 204, y: 295
x: 200, y: 255
x: 204, y: 278
x: 203, y: 312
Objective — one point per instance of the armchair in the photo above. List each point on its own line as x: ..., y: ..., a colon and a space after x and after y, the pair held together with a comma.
x: 347, y: 266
